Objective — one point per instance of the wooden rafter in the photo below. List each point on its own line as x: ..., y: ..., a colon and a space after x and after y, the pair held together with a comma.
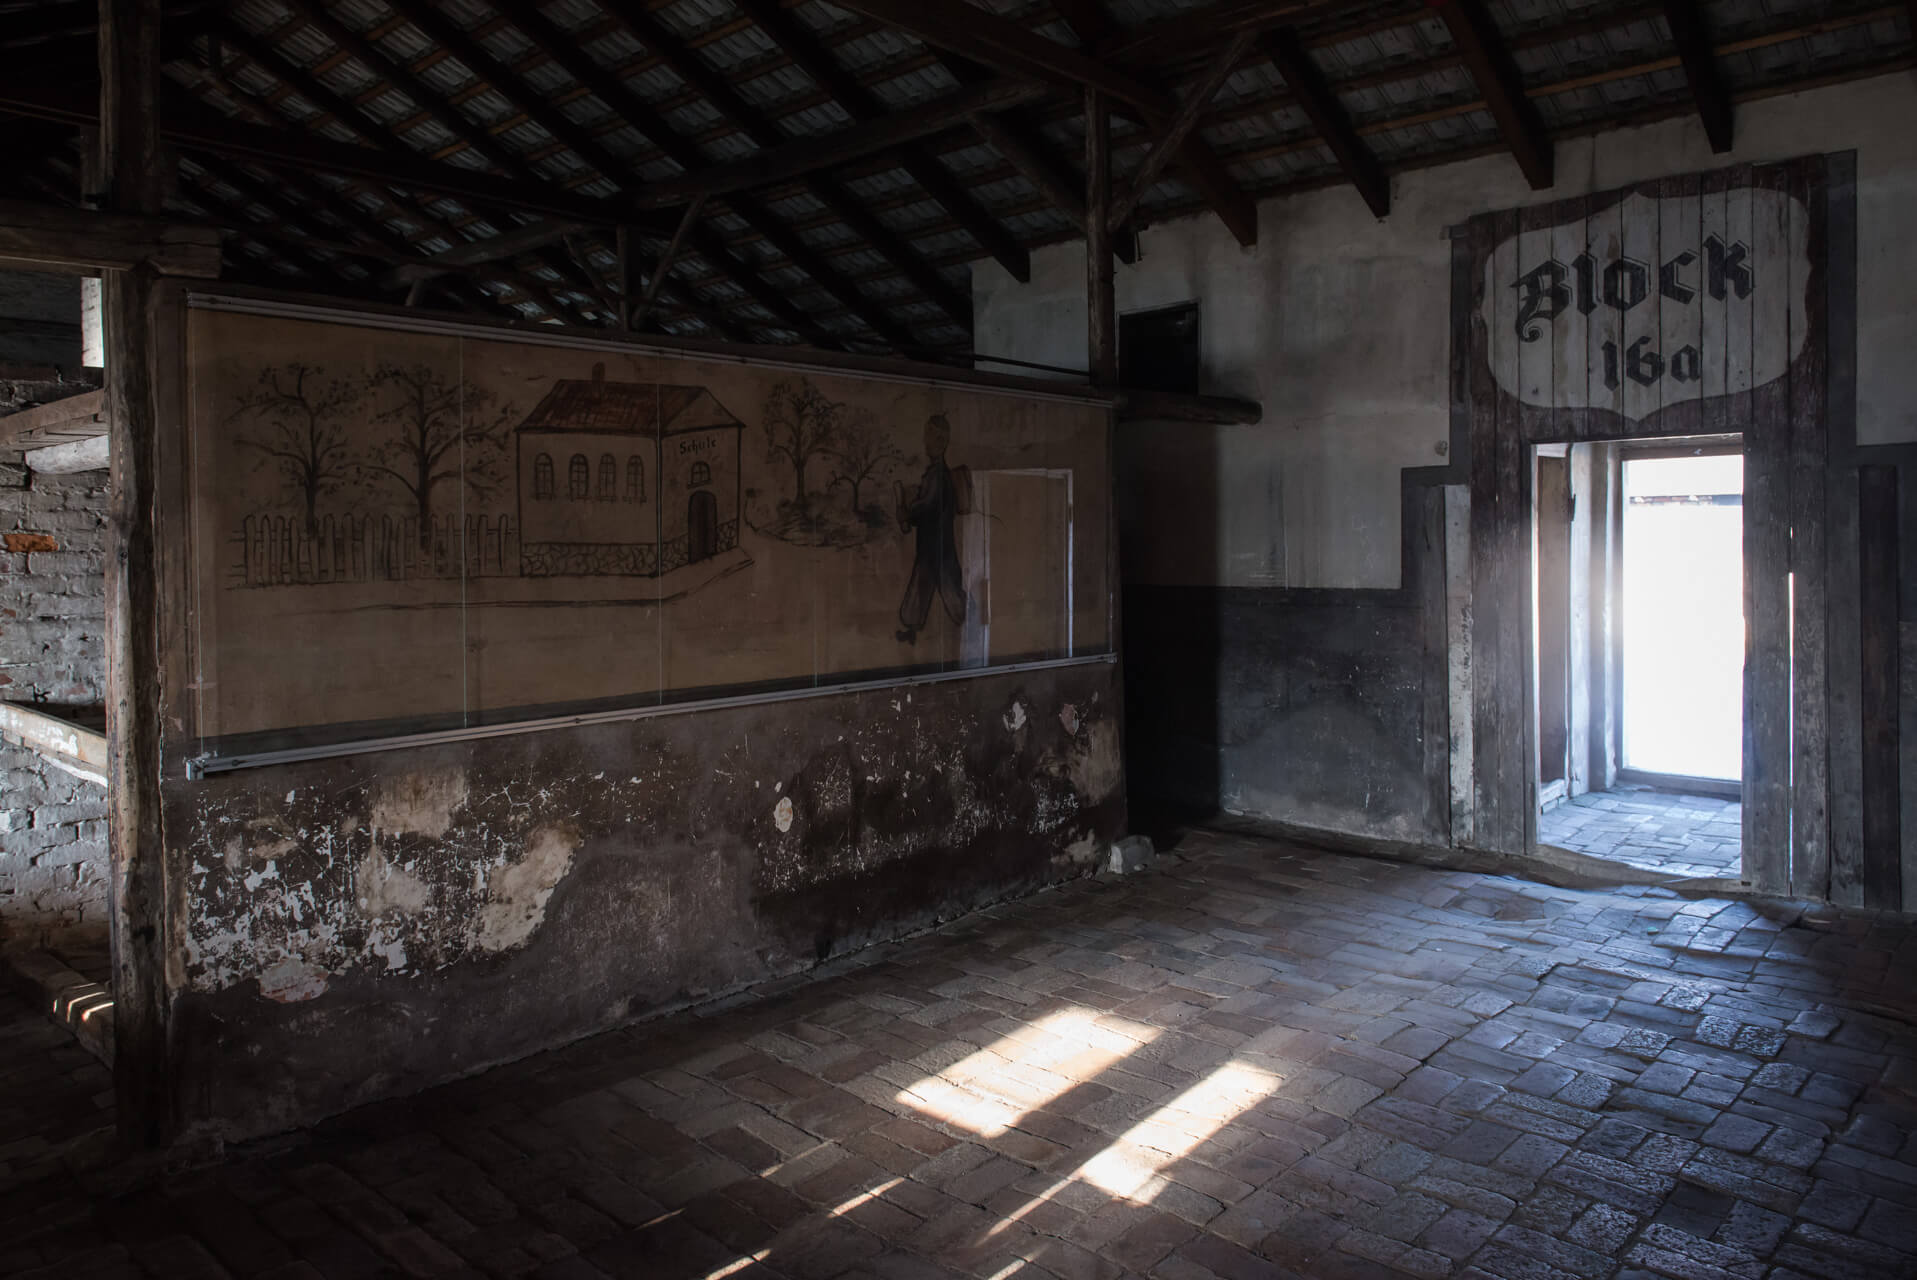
x: 812, y: 57
x: 1171, y: 138
x: 368, y: 124
x: 429, y: 20
x: 1491, y: 65
x: 1198, y: 163
x: 1328, y: 116
x: 728, y: 102
x: 1692, y: 37
x: 627, y: 105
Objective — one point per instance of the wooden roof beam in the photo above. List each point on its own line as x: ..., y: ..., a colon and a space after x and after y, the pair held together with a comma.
x: 1197, y: 162
x: 723, y: 98
x: 43, y: 237
x: 1328, y: 116
x: 811, y: 56
x: 435, y: 25
x: 1172, y: 137
x: 1692, y: 37
x: 1496, y: 73
x: 627, y: 105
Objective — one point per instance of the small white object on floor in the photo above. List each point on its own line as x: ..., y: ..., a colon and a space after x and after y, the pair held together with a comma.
x: 1133, y: 853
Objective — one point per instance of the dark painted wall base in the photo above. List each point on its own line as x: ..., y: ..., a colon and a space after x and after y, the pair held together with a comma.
x: 1306, y: 707
x: 367, y: 926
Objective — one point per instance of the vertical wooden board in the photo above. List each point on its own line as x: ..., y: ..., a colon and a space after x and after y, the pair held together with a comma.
x: 1738, y: 313
x: 1907, y: 732
x: 1496, y: 529
x: 1678, y: 276
x: 1570, y: 343
x: 1536, y: 365
x: 1844, y: 717
x: 1844, y: 677
x: 1881, y: 870
x: 1424, y: 504
x: 1810, y: 694
x: 1628, y: 285
x: 1604, y: 328
x: 1713, y: 215
x: 1767, y: 676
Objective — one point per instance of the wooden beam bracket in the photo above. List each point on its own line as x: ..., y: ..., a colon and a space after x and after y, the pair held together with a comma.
x: 89, y: 242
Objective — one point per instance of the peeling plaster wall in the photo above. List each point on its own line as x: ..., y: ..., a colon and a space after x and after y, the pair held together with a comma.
x: 364, y: 927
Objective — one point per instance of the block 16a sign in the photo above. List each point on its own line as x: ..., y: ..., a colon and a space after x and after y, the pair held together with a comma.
x: 1650, y: 302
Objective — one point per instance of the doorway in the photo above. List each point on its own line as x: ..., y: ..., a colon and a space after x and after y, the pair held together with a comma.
x: 702, y: 526
x: 1638, y: 643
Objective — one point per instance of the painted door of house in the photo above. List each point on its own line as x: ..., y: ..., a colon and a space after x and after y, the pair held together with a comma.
x: 702, y: 526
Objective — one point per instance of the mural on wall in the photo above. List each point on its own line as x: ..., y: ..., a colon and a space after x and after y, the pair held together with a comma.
x: 402, y: 531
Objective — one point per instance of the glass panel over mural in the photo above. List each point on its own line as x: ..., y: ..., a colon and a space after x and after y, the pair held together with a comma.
x: 399, y: 532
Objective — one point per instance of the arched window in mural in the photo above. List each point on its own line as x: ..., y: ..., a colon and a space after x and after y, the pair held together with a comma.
x: 635, y: 479
x: 578, y: 477
x: 701, y: 474
x: 542, y: 477
x: 608, y: 477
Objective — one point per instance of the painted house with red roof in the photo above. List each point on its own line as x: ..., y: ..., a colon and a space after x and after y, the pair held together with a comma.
x: 626, y: 479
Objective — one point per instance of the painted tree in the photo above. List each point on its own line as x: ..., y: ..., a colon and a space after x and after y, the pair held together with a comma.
x: 861, y: 449
x: 440, y: 430
x: 299, y: 416
x: 800, y: 424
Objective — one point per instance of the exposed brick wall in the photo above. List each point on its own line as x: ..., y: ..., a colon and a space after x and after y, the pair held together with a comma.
x: 53, y: 857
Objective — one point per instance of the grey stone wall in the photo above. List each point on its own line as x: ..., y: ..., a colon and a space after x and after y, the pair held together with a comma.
x: 53, y: 856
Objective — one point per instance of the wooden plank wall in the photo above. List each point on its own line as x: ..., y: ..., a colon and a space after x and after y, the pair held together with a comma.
x: 1622, y: 342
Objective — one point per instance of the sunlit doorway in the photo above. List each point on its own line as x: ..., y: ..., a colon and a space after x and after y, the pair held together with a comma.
x: 1637, y: 658
x: 1683, y: 617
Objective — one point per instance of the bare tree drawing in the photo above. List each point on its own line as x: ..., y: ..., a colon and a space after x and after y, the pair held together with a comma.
x: 800, y: 424
x: 302, y: 434
x: 861, y: 449
x: 441, y: 430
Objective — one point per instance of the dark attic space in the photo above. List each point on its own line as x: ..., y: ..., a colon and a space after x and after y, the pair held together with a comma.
x: 958, y: 640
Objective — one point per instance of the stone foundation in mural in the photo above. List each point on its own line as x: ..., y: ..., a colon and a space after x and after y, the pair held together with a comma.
x: 562, y: 559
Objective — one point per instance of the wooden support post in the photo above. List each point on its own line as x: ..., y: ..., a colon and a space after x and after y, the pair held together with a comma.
x: 132, y: 166
x: 1101, y: 335
x: 665, y: 262
x: 1878, y: 529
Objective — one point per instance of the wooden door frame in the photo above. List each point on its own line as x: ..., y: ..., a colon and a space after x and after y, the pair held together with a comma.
x: 1798, y: 445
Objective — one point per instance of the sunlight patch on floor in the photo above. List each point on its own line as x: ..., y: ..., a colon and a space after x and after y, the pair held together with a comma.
x: 988, y: 1091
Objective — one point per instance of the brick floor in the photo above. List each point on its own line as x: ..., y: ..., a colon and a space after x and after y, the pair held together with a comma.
x: 1252, y: 1061
x: 1686, y: 836
x: 56, y: 1099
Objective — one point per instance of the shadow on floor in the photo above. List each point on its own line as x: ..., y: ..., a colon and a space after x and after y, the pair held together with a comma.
x: 1255, y: 1060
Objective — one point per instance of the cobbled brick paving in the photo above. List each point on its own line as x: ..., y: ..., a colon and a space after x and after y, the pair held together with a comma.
x: 1252, y: 1061
x: 1681, y: 835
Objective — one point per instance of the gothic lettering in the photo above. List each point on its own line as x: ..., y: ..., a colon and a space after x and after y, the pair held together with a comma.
x: 1626, y: 283
x: 1670, y: 284
x: 1544, y: 296
x: 1725, y: 264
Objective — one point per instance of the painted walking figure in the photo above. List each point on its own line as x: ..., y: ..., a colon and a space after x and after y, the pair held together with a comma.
x: 932, y: 510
